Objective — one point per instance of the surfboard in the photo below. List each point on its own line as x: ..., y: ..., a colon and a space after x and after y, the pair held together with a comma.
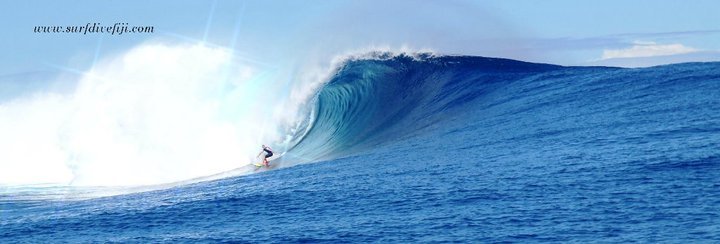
x: 271, y: 165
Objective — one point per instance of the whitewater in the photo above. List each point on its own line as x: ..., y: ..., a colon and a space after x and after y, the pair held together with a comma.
x: 155, y: 146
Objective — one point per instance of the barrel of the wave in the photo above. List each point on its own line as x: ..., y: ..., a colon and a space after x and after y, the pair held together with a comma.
x: 374, y: 101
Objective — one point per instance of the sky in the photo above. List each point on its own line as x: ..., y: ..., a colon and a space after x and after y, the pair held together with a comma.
x: 278, y: 33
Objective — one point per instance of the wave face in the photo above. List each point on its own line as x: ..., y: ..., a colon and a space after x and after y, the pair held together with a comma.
x: 371, y: 102
x: 448, y: 149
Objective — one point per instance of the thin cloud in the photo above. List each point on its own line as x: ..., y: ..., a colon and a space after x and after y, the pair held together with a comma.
x: 669, y: 34
x: 648, y: 49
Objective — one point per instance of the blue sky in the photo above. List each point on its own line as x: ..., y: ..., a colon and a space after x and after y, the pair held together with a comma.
x: 625, y: 33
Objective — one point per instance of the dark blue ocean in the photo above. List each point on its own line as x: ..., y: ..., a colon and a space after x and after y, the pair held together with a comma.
x: 446, y: 149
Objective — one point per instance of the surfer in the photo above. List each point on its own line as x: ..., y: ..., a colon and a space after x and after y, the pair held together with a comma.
x: 268, y: 153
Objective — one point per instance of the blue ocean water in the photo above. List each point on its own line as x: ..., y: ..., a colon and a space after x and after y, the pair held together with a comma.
x: 448, y: 149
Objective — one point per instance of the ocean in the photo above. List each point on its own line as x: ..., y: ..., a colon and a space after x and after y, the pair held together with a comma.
x: 424, y: 148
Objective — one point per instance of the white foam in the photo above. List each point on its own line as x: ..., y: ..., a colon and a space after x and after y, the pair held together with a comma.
x: 154, y: 114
